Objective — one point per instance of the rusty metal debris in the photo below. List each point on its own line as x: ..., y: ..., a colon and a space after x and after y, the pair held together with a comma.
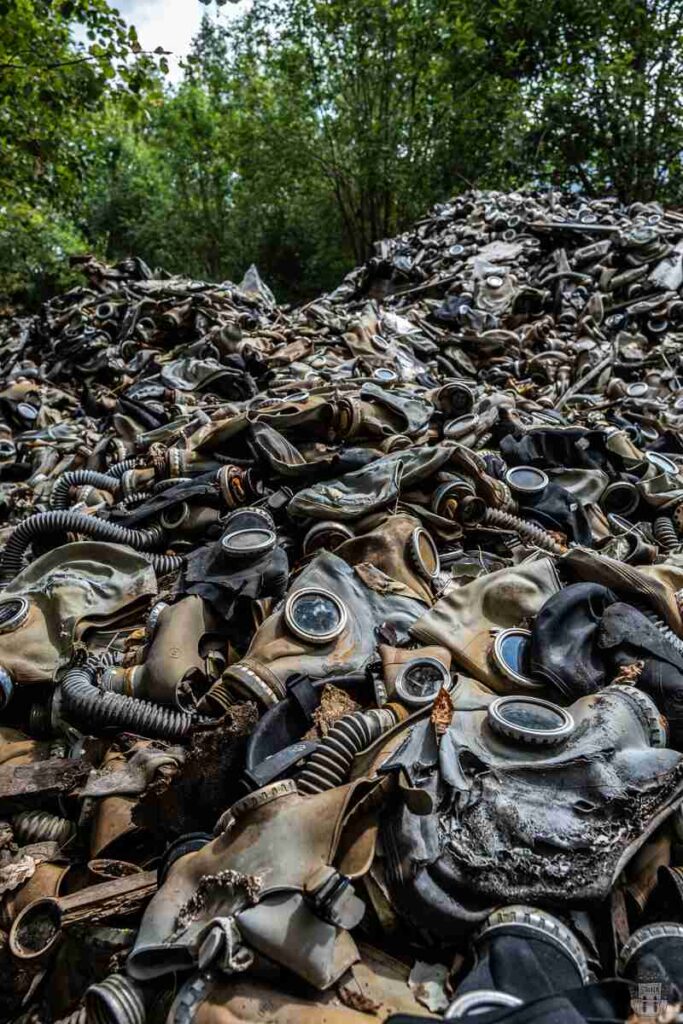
x: 341, y: 646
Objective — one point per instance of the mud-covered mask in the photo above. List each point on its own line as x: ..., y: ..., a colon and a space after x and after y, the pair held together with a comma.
x: 530, y: 803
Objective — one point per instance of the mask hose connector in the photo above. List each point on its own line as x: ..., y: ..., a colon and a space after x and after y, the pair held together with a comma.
x: 115, y: 1000
x: 59, y: 499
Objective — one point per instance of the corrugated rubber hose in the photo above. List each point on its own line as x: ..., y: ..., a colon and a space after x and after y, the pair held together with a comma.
x: 115, y: 1000
x: 330, y: 764
x: 40, y: 827
x: 99, y: 709
x: 67, y: 521
x: 665, y: 534
x: 527, y: 531
x: 79, y: 478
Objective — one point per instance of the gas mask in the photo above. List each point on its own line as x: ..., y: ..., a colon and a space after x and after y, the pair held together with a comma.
x: 246, y: 563
x: 527, y: 965
x: 472, y: 621
x: 530, y: 802
x: 325, y: 627
x: 63, y: 594
x: 268, y: 882
x: 401, y: 549
x: 174, y: 669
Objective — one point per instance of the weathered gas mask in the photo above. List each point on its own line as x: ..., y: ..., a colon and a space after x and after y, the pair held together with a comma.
x: 268, y: 882
x: 63, y: 594
x: 325, y: 627
x: 531, y: 803
x: 467, y: 619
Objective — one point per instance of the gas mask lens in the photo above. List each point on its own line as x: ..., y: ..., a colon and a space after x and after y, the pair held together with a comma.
x: 530, y: 720
x: 424, y: 556
x: 248, y: 544
x: 326, y: 535
x: 419, y: 681
x: 13, y: 612
x: 662, y: 462
x: 509, y: 655
x: 526, y: 480
x: 315, y: 615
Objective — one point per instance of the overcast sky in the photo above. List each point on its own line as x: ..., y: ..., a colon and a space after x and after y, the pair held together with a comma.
x: 171, y: 23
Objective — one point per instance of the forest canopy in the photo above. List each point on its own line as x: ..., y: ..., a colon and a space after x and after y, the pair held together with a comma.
x: 300, y: 132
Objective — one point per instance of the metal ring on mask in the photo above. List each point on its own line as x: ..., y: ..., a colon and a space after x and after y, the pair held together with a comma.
x: 501, y: 658
x: 249, y: 510
x: 251, y: 543
x: 403, y: 682
x: 419, y: 559
x: 644, y: 937
x: 153, y: 618
x: 301, y: 630
x: 480, y: 1000
x: 461, y: 426
x: 648, y: 432
x: 173, y: 517
x: 540, y: 924
x: 451, y: 490
x: 526, y: 480
x: 529, y: 734
x: 637, y: 390
x: 27, y: 411
x: 625, y: 494
x: 662, y: 462
x: 315, y: 538
x: 384, y: 373
x: 13, y: 612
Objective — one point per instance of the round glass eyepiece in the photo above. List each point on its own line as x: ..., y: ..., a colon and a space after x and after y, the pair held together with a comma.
x: 424, y: 556
x: 530, y: 720
x: 662, y: 462
x: 419, y: 681
x: 315, y: 615
x: 509, y: 654
x: 249, y: 543
x: 327, y: 536
x: 13, y: 611
x: 526, y: 480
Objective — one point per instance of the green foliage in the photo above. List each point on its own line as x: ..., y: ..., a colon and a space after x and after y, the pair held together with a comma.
x: 304, y: 130
x: 34, y: 245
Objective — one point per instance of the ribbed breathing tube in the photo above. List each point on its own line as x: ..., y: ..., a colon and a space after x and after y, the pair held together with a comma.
x: 65, y: 520
x: 81, y: 478
x: 329, y: 765
x: 98, y: 709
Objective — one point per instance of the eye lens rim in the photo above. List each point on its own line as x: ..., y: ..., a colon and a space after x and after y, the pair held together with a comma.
x: 327, y: 526
x: 267, y: 543
x: 401, y: 681
x: 526, y: 734
x: 503, y: 666
x: 302, y: 632
x: 515, y: 484
x: 17, y: 617
x: 417, y: 538
x: 662, y: 462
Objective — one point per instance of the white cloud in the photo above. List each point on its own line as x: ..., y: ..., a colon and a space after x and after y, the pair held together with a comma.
x: 171, y: 24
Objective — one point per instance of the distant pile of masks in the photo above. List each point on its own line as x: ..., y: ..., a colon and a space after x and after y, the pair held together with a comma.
x: 341, y: 647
